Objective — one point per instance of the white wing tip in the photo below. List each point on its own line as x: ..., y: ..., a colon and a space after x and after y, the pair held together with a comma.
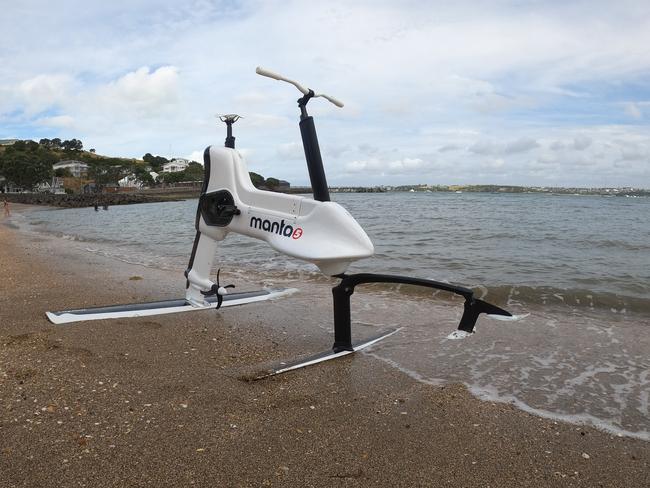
x: 55, y: 319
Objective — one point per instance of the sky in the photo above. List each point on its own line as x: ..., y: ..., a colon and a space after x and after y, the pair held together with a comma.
x: 540, y: 93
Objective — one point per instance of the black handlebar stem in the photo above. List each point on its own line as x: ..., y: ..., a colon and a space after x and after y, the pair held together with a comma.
x: 312, y: 151
x: 302, y: 103
x: 229, y: 119
x: 230, y: 139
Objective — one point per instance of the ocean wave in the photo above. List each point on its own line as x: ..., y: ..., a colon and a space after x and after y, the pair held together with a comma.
x: 575, y: 298
x: 491, y: 395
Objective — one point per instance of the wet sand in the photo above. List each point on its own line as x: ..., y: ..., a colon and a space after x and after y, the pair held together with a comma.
x: 161, y: 401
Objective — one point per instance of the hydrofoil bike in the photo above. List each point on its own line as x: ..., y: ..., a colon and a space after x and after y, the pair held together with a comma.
x: 315, y: 230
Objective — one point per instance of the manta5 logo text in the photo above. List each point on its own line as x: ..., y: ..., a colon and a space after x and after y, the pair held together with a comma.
x: 279, y: 228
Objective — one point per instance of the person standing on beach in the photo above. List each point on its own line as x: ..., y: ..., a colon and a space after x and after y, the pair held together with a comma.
x: 6, y: 207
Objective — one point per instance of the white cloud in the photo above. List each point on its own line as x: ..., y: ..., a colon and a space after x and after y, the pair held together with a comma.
x: 142, y: 92
x: 57, y: 121
x: 520, y: 145
x: 196, y: 156
x: 448, y: 147
x: 333, y: 150
x: 633, y: 110
x: 264, y: 121
x: 368, y: 149
x: 493, y: 163
x: 291, y: 150
x: 581, y: 142
x: 382, y: 166
x: 635, y: 152
x: 406, y: 165
x: 484, y: 147
x: 365, y: 166
x: 252, y: 98
x: 44, y: 91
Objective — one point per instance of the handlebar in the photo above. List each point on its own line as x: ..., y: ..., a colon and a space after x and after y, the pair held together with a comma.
x: 305, y: 91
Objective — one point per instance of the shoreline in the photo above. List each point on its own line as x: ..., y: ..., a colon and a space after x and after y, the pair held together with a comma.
x: 89, y: 200
x: 182, y: 193
x: 172, y: 371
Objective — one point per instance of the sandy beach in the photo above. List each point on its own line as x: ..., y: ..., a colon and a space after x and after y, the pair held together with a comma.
x: 164, y: 401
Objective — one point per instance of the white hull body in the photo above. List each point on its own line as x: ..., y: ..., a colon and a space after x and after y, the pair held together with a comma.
x: 323, y: 233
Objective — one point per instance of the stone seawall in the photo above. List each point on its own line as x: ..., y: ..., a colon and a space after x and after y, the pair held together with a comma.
x: 82, y: 200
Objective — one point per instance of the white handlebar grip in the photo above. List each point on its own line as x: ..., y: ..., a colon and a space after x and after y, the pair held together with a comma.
x: 270, y: 74
x: 265, y: 72
x: 336, y: 102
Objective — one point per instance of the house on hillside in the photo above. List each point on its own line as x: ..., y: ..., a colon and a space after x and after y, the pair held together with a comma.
x: 129, y: 181
x: 176, y: 165
x: 8, y: 187
x: 78, y: 169
x: 54, y: 186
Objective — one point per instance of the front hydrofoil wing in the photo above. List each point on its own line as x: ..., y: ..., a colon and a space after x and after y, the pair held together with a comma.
x: 163, y: 307
x: 324, y: 356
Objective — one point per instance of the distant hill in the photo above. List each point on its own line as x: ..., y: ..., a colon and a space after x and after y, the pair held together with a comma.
x: 27, y: 163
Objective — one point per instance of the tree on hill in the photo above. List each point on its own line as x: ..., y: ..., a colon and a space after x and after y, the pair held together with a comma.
x: 256, y: 179
x: 193, y: 172
x: 26, y: 164
x: 142, y: 175
x: 264, y: 183
x: 62, y: 173
x: 23, y: 146
x: 51, y: 143
x: 105, y: 175
x: 156, y: 162
x: 176, y: 177
x: 72, y: 145
x: 272, y: 183
x: 56, y: 143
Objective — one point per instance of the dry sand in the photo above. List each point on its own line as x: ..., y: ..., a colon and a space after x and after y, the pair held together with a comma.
x: 160, y: 401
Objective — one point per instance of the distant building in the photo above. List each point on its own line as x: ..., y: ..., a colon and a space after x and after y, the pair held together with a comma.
x: 78, y: 169
x: 176, y: 165
x: 8, y: 187
x: 88, y: 188
x: 283, y: 185
x: 129, y: 181
x: 54, y: 186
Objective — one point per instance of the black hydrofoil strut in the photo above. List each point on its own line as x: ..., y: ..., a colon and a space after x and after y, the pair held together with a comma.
x: 343, y: 291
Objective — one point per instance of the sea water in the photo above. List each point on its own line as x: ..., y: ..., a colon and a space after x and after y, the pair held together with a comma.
x: 575, y: 270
